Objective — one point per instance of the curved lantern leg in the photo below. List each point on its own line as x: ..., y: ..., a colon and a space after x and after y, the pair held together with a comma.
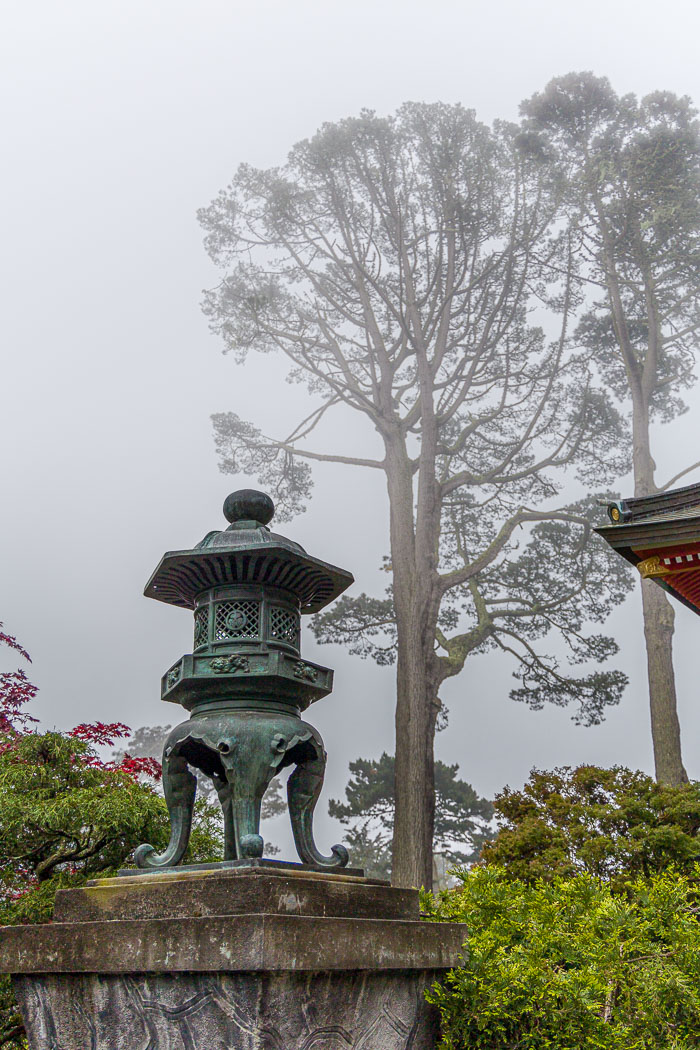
x: 303, y: 788
x: 246, y: 820
x: 248, y: 772
x: 180, y: 786
x: 223, y: 790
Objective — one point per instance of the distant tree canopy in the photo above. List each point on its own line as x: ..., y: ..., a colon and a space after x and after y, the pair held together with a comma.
x: 461, y: 817
x: 629, y: 170
x: 396, y: 262
x: 616, y: 824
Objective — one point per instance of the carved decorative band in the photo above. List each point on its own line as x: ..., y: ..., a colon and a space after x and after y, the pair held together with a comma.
x: 671, y: 565
x: 652, y: 567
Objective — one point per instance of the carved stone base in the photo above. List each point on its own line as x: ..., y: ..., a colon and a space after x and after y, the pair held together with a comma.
x: 233, y: 959
x: 231, y: 1011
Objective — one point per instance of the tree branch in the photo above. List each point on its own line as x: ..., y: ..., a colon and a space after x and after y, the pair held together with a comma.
x: 678, y: 476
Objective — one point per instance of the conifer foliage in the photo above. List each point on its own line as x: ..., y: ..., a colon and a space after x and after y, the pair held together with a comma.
x: 398, y: 264
x: 461, y: 816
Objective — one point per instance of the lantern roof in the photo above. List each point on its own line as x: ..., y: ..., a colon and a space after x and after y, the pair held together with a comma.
x: 247, y: 552
x: 660, y: 535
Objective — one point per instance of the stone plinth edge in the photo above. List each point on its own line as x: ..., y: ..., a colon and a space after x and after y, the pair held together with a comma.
x: 233, y: 943
x: 196, y: 894
x: 234, y: 959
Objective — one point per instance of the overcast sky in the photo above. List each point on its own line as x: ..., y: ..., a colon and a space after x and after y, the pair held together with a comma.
x: 119, y: 120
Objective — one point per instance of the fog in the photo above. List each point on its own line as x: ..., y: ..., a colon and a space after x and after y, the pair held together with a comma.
x: 119, y: 121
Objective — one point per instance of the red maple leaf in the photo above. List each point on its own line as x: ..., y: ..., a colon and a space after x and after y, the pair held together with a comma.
x: 12, y: 643
x: 101, y: 734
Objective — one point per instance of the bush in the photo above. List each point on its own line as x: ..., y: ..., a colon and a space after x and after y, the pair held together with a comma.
x: 570, y: 964
x: 616, y: 824
x: 68, y: 816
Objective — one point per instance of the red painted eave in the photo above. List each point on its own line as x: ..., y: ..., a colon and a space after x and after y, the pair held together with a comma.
x: 682, y: 563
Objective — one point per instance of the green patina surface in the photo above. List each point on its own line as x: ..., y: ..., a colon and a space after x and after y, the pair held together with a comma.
x: 245, y: 684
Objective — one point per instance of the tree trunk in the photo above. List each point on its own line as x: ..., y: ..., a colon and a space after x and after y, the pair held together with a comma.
x: 412, y: 851
x: 659, y: 617
x: 416, y: 617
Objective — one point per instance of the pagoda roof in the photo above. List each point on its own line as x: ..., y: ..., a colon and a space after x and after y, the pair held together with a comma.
x: 247, y: 552
x: 660, y: 535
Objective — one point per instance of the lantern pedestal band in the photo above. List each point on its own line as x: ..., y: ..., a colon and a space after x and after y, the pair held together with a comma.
x: 239, y: 959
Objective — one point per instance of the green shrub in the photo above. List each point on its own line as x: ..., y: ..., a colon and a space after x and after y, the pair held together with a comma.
x: 615, y: 824
x: 67, y: 815
x: 569, y: 964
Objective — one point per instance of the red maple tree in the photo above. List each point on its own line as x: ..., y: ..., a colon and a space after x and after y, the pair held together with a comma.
x: 16, y: 691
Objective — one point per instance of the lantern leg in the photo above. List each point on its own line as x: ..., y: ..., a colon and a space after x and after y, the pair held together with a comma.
x: 246, y: 785
x: 223, y: 790
x: 303, y: 788
x: 180, y: 786
x: 246, y: 821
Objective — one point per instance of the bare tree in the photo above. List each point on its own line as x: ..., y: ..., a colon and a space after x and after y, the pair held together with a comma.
x: 631, y: 170
x: 393, y: 262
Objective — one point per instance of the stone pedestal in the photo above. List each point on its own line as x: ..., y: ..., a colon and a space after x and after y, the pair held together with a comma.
x: 230, y: 959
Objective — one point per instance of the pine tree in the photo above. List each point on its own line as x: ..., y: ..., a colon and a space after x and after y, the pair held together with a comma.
x: 461, y: 817
x: 395, y: 262
x: 631, y: 173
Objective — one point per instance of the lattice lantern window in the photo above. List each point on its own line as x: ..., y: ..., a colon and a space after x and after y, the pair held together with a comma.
x: 284, y: 626
x: 237, y: 621
x: 201, y: 626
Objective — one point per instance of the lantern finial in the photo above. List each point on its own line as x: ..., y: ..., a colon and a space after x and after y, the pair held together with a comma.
x: 247, y: 505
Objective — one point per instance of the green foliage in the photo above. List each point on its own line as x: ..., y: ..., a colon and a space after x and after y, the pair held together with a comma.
x: 570, y: 965
x: 69, y: 816
x: 631, y: 172
x: 66, y: 818
x: 461, y: 817
x: 555, y: 581
x: 59, y: 811
x: 615, y: 824
x: 63, y: 813
x: 582, y: 927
